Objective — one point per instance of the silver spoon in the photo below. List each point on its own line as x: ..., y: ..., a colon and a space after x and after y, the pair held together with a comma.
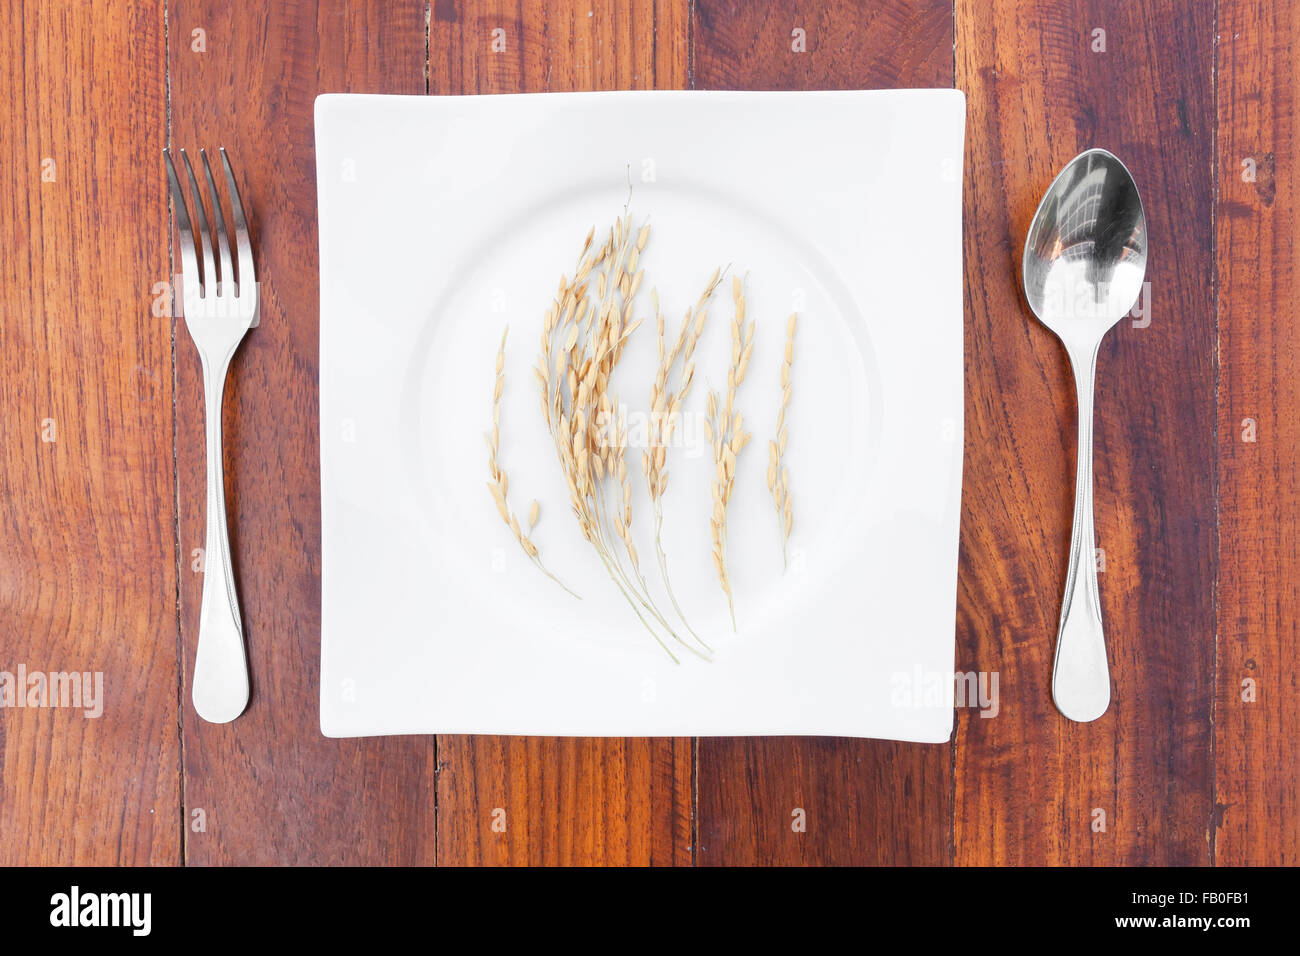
x: 1085, y: 259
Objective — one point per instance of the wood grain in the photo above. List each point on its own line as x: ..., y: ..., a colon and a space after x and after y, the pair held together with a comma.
x: 543, y: 801
x: 87, y: 563
x: 1257, y: 792
x: 863, y: 801
x: 846, y: 45
x: 557, y: 47
x: 1029, y: 784
x: 274, y: 790
x: 561, y: 801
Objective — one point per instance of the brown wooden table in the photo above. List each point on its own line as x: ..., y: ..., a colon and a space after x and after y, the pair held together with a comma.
x: 1197, y: 443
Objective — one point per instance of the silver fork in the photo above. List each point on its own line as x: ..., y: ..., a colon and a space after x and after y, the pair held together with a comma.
x: 219, y: 305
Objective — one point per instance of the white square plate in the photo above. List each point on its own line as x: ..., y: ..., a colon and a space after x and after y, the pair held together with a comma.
x: 443, y: 219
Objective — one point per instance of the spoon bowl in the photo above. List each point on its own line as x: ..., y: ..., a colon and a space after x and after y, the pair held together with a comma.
x: 1086, y: 252
x: 1084, y: 264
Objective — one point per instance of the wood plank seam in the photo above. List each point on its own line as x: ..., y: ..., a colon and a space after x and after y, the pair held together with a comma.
x: 176, y: 487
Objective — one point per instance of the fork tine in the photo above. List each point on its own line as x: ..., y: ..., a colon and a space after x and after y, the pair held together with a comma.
x: 227, y: 278
x: 189, y: 262
x: 204, y: 233
x: 247, y: 271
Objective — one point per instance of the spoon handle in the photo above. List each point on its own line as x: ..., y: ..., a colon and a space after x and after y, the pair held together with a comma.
x: 1081, y: 677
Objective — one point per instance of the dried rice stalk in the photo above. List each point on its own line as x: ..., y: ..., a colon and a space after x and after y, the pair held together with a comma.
x: 724, y: 428
x: 499, y: 482
x: 583, y: 338
x: 665, y: 413
x: 778, y: 476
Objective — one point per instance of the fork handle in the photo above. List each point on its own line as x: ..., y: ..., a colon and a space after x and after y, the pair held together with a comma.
x: 220, y: 689
x: 1081, y: 676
